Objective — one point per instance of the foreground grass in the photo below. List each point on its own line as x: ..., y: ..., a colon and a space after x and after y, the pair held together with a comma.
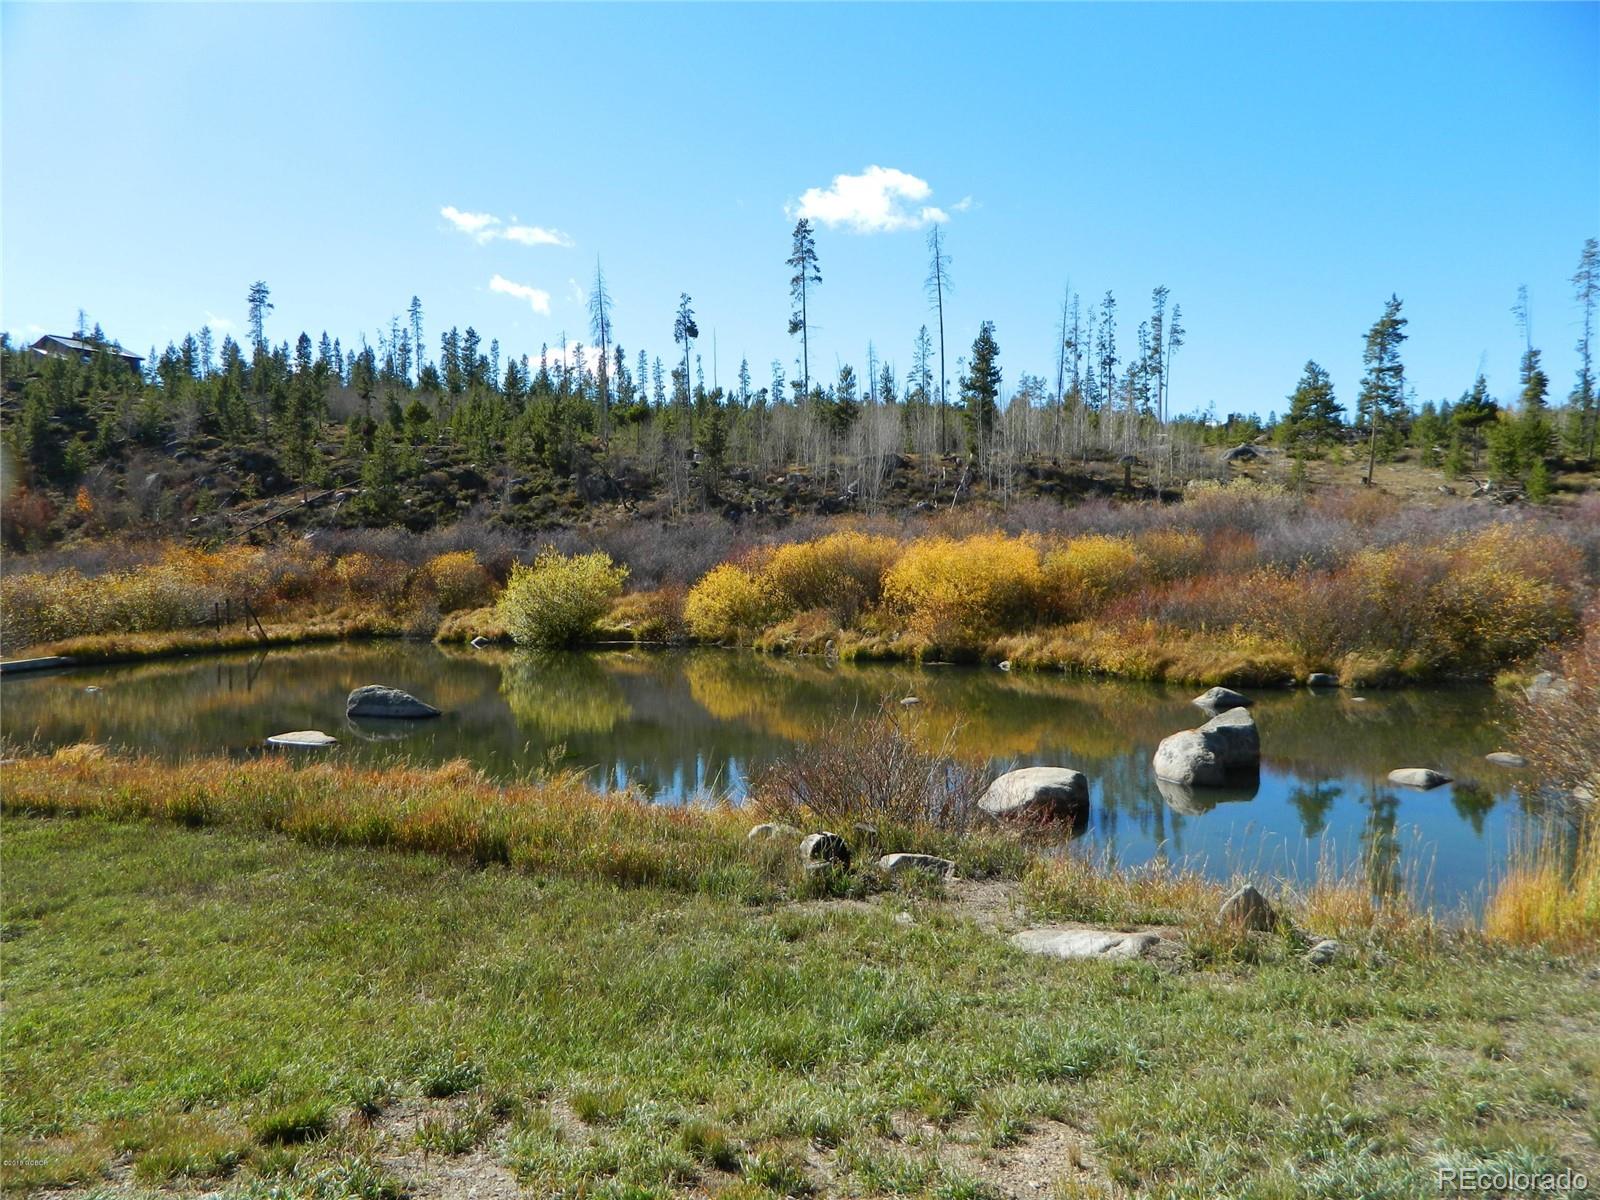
x: 232, y: 1009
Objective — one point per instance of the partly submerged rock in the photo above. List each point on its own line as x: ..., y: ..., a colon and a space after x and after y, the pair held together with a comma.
x: 1248, y: 909
x: 1321, y: 679
x: 1203, y: 757
x: 818, y: 850
x: 1084, y: 943
x: 1505, y: 758
x: 1041, y: 793
x: 388, y: 703
x: 1221, y: 699
x: 307, y: 738
x: 480, y: 642
x: 1417, y: 777
x: 896, y: 864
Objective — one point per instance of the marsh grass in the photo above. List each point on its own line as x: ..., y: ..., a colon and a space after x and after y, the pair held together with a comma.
x: 1549, y: 894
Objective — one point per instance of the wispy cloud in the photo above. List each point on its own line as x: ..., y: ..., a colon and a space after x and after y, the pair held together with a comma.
x: 538, y: 299
x: 486, y: 227
x: 879, y: 200
x: 220, y: 324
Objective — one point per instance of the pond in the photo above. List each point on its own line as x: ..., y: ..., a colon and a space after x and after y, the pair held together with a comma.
x: 682, y: 724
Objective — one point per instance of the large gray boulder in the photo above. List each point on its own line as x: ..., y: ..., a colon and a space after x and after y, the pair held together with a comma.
x: 1418, y: 777
x: 1041, y: 793
x: 1221, y: 699
x: 1203, y: 757
x: 387, y: 703
x: 1084, y: 943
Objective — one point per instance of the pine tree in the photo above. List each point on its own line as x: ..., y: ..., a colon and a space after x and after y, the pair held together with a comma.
x: 1586, y: 285
x: 803, y: 259
x: 980, y: 388
x: 1382, y: 397
x: 258, y: 304
x: 600, y: 327
x: 1313, y: 416
x: 684, y: 331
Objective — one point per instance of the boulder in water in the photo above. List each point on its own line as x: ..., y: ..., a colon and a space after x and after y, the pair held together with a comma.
x: 1221, y: 699
x: 389, y: 703
x: 1422, y: 778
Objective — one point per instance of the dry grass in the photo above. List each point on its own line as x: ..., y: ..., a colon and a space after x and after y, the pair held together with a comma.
x: 1550, y: 895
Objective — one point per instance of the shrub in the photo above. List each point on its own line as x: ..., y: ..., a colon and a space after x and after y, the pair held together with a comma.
x: 959, y: 592
x: 1560, y: 730
x: 1171, y: 553
x: 842, y: 572
x: 369, y: 578
x: 871, y: 770
x: 1086, y: 572
x: 558, y: 600
x: 458, y: 580
x: 732, y: 603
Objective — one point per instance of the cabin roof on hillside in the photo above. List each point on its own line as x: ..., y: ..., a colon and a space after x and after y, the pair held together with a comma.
x: 72, y: 343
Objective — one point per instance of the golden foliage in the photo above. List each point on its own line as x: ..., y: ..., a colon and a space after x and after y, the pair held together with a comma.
x: 459, y: 580
x: 842, y: 573
x: 731, y: 603
x: 559, y: 599
x: 956, y: 593
x: 1084, y: 573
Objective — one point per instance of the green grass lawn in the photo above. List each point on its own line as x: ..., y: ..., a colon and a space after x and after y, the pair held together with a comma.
x: 224, y: 1010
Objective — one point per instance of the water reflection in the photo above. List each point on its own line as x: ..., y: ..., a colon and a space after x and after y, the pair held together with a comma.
x: 694, y: 722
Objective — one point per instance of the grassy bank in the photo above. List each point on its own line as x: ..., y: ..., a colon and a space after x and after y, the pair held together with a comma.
x: 224, y: 1009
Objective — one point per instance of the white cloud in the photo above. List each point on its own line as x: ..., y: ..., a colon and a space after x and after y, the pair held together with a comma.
x: 963, y: 204
x: 220, y: 324
x: 535, y: 235
x: 486, y: 227
x: 537, y: 298
x: 879, y: 200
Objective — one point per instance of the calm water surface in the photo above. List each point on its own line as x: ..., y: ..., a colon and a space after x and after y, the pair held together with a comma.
x: 685, y: 723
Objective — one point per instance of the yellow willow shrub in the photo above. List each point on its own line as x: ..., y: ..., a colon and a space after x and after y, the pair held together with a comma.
x: 1086, y: 572
x: 731, y: 603
x: 559, y: 599
x: 458, y: 580
x: 1172, y: 553
x: 842, y: 572
x: 1474, y: 602
x: 1551, y: 894
x: 368, y: 578
x: 959, y: 592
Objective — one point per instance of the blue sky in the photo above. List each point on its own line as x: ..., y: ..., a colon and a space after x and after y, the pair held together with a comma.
x: 1282, y: 168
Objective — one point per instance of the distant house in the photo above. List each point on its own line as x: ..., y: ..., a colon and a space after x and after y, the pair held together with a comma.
x: 55, y: 346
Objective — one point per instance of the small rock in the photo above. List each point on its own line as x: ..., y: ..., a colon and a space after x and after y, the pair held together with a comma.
x: 1005, y: 664
x: 1505, y: 758
x: 819, y: 850
x: 479, y: 642
x: 1084, y: 943
x: 1248, y: 908
x: 1221, y: 699
x: 1040, y: 793
x: 903, y: 918
x: 91, y: 689
x: 1324, y: 952
x: 1417, y: 777
x: 389, y: 703
x: 769, y: 830
x: 1321, y: 679
x: 309, y: 738
x: 909, y: 701
x: 1359, y: 699
x: 1241, y: 453
x: 895, y: 864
